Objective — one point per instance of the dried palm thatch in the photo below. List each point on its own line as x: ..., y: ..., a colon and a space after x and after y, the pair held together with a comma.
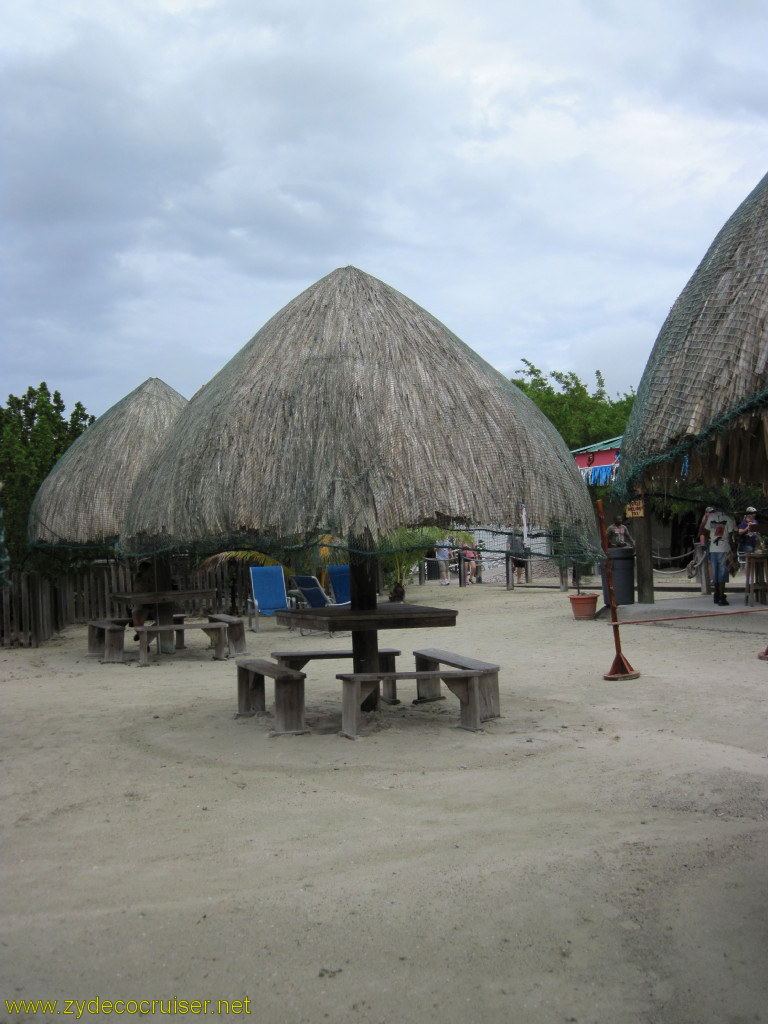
x: 702, y: 403
x: 353, y: 412
x: 82, y: 501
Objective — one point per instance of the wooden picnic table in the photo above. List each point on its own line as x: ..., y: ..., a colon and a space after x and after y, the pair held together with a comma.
x: 164, y: 602
x: 364, y: 625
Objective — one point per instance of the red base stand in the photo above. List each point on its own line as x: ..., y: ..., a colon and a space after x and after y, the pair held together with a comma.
x: 621, y: 669
x: 763, y: 656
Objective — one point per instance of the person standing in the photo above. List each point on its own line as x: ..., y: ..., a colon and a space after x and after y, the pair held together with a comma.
x: 518, y: 555
x: 719, y: 529
x: 749, y: 533
x: 443, y: 550
x: 470, y: 561
x: 618, y: 535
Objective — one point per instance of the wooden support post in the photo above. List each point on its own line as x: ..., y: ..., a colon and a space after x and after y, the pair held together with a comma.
x: 564, y: 578
x: 641, y: 531
x: 363, y: 583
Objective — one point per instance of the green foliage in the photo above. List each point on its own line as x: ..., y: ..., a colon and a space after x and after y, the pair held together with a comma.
x: 34, y: 434
x: 580, y: 416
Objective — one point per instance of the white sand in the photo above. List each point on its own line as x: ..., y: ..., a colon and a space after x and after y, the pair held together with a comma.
x: 598, y: 854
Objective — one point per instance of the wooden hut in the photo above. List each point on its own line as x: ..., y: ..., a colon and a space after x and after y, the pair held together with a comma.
x: 353, y: 412
x: 701, y: 411
x: 82, y: 501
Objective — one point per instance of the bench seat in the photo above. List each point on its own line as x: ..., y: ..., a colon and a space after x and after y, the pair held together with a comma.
x: 387, y: 656
x: 217, y: 631
x: 430, y: 658
x: 467, y: 684
x: 235, y: 632
x: 289, y: 694
x: 106, y: 638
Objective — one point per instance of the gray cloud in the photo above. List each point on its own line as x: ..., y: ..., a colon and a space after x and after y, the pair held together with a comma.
x: 543, y: 179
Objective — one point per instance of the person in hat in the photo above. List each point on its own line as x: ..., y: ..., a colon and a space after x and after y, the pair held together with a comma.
x: 749, y: 532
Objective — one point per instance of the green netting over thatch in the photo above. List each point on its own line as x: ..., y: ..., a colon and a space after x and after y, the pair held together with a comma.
x: 351, y: 413
x: 82, y: 501
x: 702, y: 405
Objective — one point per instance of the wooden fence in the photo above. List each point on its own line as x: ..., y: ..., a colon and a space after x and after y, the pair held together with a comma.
x: 34, y: 608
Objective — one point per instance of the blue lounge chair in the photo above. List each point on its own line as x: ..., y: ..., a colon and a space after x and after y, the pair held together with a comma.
x: 269, y: 596
x: 315, y: 597
x: 312, y: 592
x: 339, y: 577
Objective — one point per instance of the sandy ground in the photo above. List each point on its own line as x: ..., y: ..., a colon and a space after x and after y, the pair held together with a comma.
x: 597, y: 854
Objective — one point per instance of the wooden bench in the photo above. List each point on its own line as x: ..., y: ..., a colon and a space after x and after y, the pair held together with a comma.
x: 217, y: 631
x: 465, y: 683
x: 106, y: 638
x: 387, y: 655
x: 431, y: 658
x: 235, y: 632
x: 289, y: 694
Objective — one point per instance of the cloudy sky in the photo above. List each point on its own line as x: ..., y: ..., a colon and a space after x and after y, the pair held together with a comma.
x: 543, y: 177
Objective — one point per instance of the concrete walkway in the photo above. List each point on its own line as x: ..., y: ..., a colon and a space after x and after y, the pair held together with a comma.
x: 695, y: 611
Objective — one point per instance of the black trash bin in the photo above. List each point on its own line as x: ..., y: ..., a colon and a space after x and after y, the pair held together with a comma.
x: 623, y: 570
x: 433, y: 569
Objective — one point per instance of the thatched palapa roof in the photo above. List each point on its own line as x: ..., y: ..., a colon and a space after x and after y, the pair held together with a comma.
x: 83, y: 499
x: 353, y: 411
x: 704, y: 393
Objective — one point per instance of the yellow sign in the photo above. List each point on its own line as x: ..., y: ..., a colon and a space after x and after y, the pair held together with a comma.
x: 635, y: 509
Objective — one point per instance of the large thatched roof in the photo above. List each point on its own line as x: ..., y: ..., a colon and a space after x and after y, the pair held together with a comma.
x: 83, y: 499
x: 354, y: 410
x: 704, y: 392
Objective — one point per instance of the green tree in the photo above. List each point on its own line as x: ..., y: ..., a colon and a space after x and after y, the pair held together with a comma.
x: 581, y: 416
x: 34, y: 434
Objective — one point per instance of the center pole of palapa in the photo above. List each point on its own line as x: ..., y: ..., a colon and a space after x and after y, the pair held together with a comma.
x: 363, y: 583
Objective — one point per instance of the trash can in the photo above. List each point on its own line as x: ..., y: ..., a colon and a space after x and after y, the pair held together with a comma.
x: 623, y: 570
x: 433, y: 569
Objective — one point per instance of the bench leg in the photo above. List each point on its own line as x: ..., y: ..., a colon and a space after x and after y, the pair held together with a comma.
x: 178, y: 620
x: 144, y: 641
x: 468, y: 692
x: 96, y: 640
x: 165, y: 639
x: 289, y: 708
x: 114, y: 645
x: 490, y: 705
x: 388, y: 686
x: 427, y: 689
x: 219, y: 639
x: 353, y: 695
x: 236, y: 638
x: 250, y: 693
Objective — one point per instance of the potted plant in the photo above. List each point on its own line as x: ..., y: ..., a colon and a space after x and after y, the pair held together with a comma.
x: 584, y: 606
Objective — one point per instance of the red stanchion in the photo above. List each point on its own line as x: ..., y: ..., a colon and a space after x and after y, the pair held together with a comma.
x: 620, y: 669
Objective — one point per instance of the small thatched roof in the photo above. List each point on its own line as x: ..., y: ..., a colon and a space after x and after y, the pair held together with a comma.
x: 704, y: 392
x: 83, y: 499
x: 354, y: 411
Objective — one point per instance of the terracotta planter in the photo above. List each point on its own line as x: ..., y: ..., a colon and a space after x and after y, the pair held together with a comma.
x: 584, y: 605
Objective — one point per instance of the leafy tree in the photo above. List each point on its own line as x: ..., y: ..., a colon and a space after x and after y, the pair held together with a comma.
x: 34, y: 434
x: 580, y: 416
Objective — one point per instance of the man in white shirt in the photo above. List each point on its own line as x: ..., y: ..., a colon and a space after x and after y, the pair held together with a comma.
x: 720, y: 526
